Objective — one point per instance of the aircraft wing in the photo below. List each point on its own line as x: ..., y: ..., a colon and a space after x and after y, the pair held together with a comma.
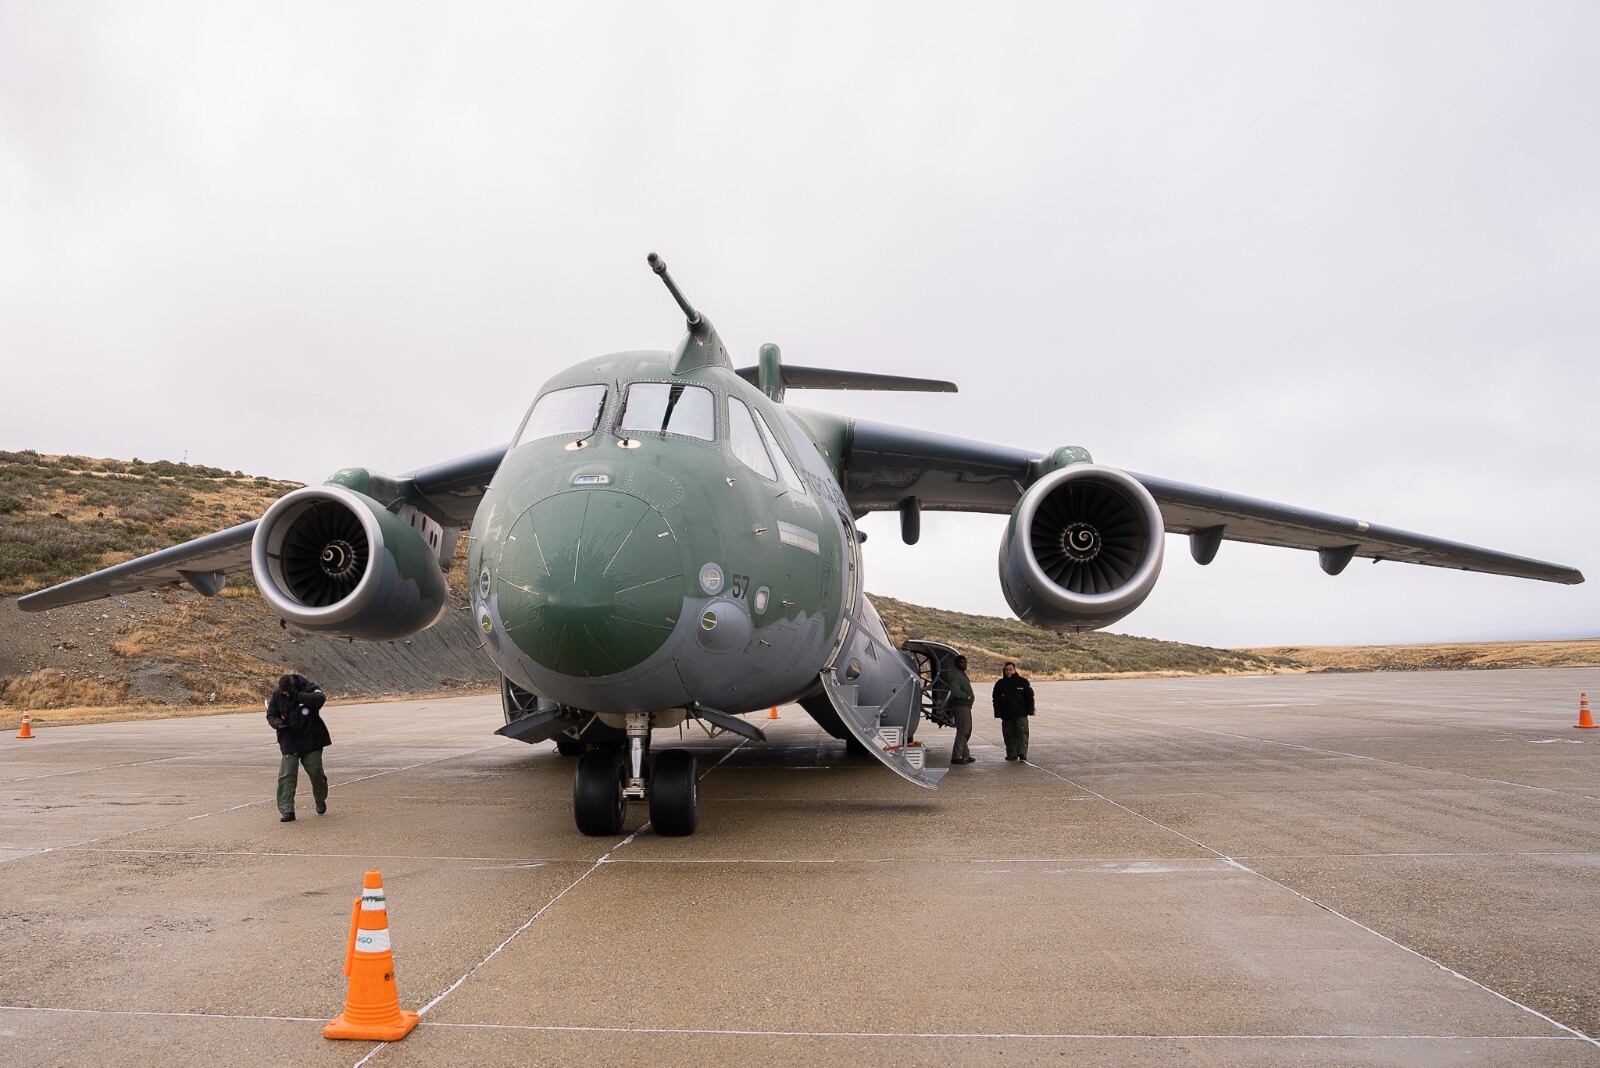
x: 884, y: 465
x: 449, y: 491
x: 202, y: 562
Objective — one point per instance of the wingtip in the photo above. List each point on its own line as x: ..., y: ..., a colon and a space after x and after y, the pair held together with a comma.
x: 29, y: 602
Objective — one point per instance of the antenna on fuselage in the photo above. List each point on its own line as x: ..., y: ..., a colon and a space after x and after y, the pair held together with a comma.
x: 659, y: 265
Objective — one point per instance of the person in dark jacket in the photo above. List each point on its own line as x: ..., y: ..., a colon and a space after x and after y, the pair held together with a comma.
x: 295, y: 711
x: 960, y: 705
x: 1013, y: 704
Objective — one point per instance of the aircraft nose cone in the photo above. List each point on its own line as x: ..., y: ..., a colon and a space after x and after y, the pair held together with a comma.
x: 590, y: 582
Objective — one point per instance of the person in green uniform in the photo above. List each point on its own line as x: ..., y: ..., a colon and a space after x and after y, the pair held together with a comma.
x: 960, y: 705
x: 1013, y: 704
x: 295, y: 711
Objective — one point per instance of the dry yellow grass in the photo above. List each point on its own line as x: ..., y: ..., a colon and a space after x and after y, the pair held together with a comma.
x: 48, y: 688
x: 192, y: 636
x: 1583, y: 652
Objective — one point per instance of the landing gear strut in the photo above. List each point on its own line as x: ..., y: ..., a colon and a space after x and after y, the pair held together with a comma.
x: 607, y: 779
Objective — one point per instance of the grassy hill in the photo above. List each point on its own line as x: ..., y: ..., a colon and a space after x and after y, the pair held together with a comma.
x: 146, y: 653
x: 161, y: 651
x: 990, y: 641
x: 61, y: 516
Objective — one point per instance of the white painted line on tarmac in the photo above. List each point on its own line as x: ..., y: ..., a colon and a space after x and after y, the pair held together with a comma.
x: 1330, y: 909
x: 136, y: 763
x: 242, y: 805
x: 522, y: 862
x: 1404, y: 856
x: 1058, y: 1037
x: 546, y: 907
x: 530, y: 862
x: 1065, y: 1036
x: 101, y: 767
x: 155, y: 1013
x: 1340, y: 752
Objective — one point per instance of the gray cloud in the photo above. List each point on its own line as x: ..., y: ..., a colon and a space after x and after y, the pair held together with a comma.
x: 1338, y: 255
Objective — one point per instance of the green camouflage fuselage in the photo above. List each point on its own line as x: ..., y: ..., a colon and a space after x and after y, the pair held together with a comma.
x: 663, y: 573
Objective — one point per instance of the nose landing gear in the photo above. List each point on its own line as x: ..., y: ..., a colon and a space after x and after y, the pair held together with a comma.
x: 607, y: 779
x: 598, y: 804
x: 674, y: 794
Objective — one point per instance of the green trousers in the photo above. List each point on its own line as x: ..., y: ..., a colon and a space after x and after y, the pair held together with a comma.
x: 1015, y: 732
x: 963, y: 717
x: 289, y: 778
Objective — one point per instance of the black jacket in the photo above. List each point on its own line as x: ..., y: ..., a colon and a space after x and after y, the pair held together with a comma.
x: 1013, y: 697
x: 298, y: 719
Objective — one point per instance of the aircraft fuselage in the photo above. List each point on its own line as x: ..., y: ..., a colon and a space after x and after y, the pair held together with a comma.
x: 623, y: 569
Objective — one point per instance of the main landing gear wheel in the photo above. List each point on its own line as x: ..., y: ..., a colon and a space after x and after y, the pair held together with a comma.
x: 674, y: 795
x: 598, y: 804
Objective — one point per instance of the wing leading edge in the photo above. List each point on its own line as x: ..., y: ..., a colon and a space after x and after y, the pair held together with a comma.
x: 1205, y: 513
x: 884, y: 465
x: 449, y: 490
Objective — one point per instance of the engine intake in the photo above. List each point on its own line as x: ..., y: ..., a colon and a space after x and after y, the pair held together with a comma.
x: 332, y: 560
x: 1082, y: 550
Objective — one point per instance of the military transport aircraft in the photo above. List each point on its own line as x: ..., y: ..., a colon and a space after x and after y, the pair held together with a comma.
x: 666, y: 539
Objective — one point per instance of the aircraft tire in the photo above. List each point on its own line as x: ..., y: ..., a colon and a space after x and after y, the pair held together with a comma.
x: 674, y: 794
x: 598, y: 806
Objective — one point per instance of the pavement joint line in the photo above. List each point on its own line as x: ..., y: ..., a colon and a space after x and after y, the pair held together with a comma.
x: 234, y: 808
x: 1332, y: 911
x: 754, y: 1033
x: 1340, y: 752
x: 139, y: 763
x: 312, y: 856
x: 165, y: 1014
x: 1061, y: 1036
x: 290, y: 855
x: 546, y: 907
x: 1403, y: 856
x: 102, y: 767
x: 240, y: 747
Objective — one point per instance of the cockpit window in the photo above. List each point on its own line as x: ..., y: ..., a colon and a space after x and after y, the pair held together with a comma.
x: 673, y: 409
x: 746, y: 442
x: 563, y: 411
x: 791, y: 478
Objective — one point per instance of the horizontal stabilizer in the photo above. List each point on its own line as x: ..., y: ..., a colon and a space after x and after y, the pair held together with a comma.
x: 826, y: 378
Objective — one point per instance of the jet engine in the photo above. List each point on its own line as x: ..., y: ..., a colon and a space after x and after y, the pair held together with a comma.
x: 329, y: 559
x: 1082, y: 550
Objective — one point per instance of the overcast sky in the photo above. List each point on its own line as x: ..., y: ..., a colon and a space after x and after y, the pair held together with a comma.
x: 1339, y: 255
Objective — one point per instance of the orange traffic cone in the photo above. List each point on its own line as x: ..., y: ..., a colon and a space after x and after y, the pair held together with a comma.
x: 774, y: 713
x: 27, y: 726
x: 1585, y: 717
x: 372, y: 1006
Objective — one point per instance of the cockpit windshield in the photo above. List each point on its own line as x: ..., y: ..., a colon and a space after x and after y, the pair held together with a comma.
x: 673, y: 409
x: 563, y: 411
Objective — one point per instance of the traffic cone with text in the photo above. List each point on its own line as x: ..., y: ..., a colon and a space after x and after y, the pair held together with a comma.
x: 1585, y: 717
x: 372, y: 1006
x: 27, y: 725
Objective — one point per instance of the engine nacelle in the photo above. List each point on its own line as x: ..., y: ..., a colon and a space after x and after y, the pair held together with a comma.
x: 1082, y: 550
x: 329, y: 559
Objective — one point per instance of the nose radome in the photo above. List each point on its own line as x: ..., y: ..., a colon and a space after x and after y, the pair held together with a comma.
x: 590, y: 582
